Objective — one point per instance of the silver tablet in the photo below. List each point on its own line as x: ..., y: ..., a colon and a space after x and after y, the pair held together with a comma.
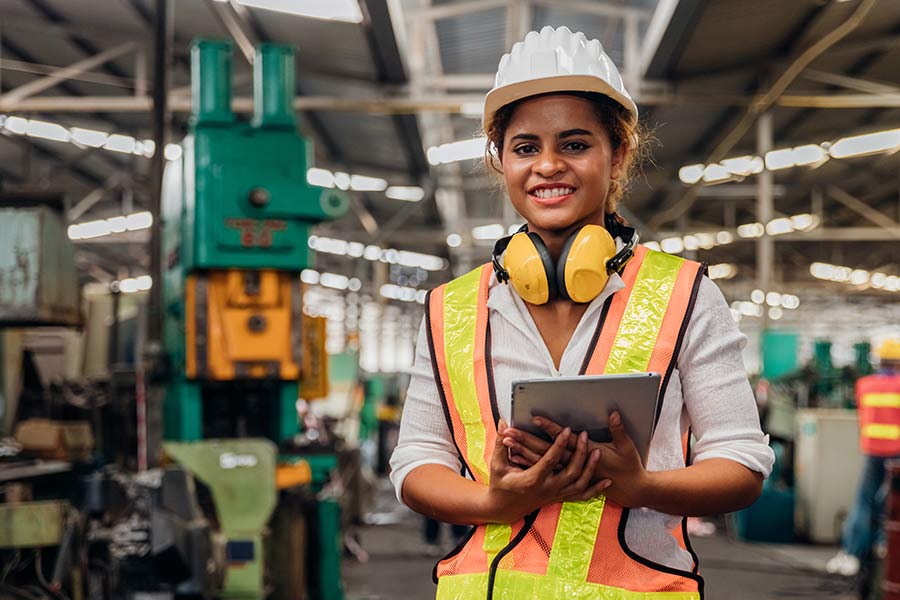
x: 585, y: 402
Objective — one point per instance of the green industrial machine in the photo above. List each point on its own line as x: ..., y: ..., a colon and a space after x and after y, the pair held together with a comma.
x: 237, y: 213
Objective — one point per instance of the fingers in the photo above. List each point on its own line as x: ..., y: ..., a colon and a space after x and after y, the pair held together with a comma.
x: 584, y: 478
x: 500, y: 456
x: 553, y: 429
x: 620, y: 437
x: 550, y: 459
x: 520, y: 450
x: 532, y: 442
x: 592, y: 492
x: 576, y: 465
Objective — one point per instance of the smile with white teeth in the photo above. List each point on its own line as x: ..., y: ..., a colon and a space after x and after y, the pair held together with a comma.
x: 553, y: 192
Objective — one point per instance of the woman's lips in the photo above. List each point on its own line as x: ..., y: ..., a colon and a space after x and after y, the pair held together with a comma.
x: 551, y: 201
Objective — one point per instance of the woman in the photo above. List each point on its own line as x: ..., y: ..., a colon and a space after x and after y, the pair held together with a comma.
x: 573, y: 519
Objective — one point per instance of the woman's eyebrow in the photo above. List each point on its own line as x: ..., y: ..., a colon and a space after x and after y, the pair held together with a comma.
x: 563, y: 134
x: 571, y: 132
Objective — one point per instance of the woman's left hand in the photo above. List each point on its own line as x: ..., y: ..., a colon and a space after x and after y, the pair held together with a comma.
x: 619, y: 460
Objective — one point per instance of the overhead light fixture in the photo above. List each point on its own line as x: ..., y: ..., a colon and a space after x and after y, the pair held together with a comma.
x: 807, y: 155
x: 102, y: 227
x: 456, y: 151
x: 855, y: 277
x: 406, y: 294
x: 861, y: 145
x: 362, y: 183
x: 407, y: 193
x: 336, y: 10
x: 722, y: 271
x: 403, y: 258
x: 131, y: 285
x: 454, y: 240
x: 488, y: 232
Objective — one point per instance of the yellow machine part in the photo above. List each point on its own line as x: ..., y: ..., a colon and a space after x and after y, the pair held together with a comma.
x: 314, y: 380
x: 243, y: 324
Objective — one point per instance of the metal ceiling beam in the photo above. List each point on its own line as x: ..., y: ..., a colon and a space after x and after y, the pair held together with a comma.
x: 382, y: 42
x: 441, y: 103
x: 63, y: 73
x: 597, y: 8
x: 861, y: 208
x: 766, y: 100
x: 234, y: 25
x: 457, y: 9
x: 852, y: 83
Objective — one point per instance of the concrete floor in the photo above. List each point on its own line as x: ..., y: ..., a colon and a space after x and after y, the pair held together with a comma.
x: 397, y: 567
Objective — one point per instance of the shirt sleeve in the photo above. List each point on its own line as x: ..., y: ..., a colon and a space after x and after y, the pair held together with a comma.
x: 424, y: 435
x: 717, y: 395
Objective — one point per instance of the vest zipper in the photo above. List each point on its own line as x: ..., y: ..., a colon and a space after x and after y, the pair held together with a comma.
x: 492, y: 573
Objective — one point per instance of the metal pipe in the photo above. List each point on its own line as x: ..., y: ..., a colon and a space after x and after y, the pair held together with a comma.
x: 211, y: 82
x: 765, y: 246
x: 273, y: 86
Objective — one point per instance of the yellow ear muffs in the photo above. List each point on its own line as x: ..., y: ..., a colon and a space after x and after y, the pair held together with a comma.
x: 531, y: 269
x: 582, y: 267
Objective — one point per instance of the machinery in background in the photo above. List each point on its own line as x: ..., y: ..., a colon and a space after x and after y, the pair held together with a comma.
x: 808, y: 412
x: 237, y: 213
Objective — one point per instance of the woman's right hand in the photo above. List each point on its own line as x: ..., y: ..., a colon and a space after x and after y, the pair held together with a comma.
x: 515, y: 492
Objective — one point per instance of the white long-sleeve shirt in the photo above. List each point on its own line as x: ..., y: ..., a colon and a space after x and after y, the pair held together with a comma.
x: 708, y: 392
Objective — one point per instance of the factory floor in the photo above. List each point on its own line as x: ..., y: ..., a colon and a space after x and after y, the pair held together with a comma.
x: 398, y: 568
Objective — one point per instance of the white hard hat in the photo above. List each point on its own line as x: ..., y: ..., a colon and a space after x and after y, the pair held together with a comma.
x: 555, y: 60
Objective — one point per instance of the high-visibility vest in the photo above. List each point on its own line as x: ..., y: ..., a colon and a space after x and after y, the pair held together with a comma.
x: 571, y: 549
x: 878, y: 402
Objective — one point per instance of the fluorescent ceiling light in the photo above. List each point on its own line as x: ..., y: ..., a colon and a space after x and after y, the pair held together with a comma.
x: 373, y: 253
x: 47, y: 131
x: 454, y: 240
x: 102, y: 227
x: 88, y: 137
x: 673, y: 245
x: 337, y: 10
x: 722, y: 271
x: 751, y: 230
x: 362, y: 183
x: 408, y: 193
x: 457, y: 151
x: 860, y: 145
x: 488, y: 232
x: 715, y: 174
x: 690, y: 174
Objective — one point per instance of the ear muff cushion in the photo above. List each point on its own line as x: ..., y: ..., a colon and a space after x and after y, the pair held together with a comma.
x: 584, y: 268
x: 528, y: 263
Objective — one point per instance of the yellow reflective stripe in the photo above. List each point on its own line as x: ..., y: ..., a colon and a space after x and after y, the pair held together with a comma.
x: 643, y: 316
x: 460, y: 312
x: 881, y: 400
x: 573, y: 543
x: 881, y: 431
x: 496, y: 537
x: 518, y: 585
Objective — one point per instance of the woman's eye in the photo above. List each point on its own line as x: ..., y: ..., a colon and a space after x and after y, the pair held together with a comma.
x: 576, y: 146
x: 525, y: 149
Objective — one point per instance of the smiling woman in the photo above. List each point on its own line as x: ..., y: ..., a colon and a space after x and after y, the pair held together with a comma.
x: 554, y: 519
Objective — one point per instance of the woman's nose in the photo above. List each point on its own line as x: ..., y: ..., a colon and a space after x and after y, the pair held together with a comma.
x: 549, y: 163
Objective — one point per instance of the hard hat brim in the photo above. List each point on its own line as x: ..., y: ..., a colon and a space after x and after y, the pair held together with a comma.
x: 500, y: 97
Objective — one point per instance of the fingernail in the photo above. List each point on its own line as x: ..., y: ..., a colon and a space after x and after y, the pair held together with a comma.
x: 508, y: 443
x: 583, y: 436
x: 615, y: 419
x: 567, y: 431
x: 605, y: 484
x: 537, y: 421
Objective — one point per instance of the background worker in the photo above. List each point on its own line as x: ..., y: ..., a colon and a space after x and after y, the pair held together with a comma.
x: 878, y: 406
x: 573, y: 293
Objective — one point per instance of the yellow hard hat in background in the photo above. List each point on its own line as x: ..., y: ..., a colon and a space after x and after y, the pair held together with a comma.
x: 889, y: 350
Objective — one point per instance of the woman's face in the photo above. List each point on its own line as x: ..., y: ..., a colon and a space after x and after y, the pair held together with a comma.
x: 557, y: 164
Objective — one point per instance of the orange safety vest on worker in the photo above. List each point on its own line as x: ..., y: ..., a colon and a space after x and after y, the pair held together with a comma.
x: 878, y: 403
x: 572, y: 549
